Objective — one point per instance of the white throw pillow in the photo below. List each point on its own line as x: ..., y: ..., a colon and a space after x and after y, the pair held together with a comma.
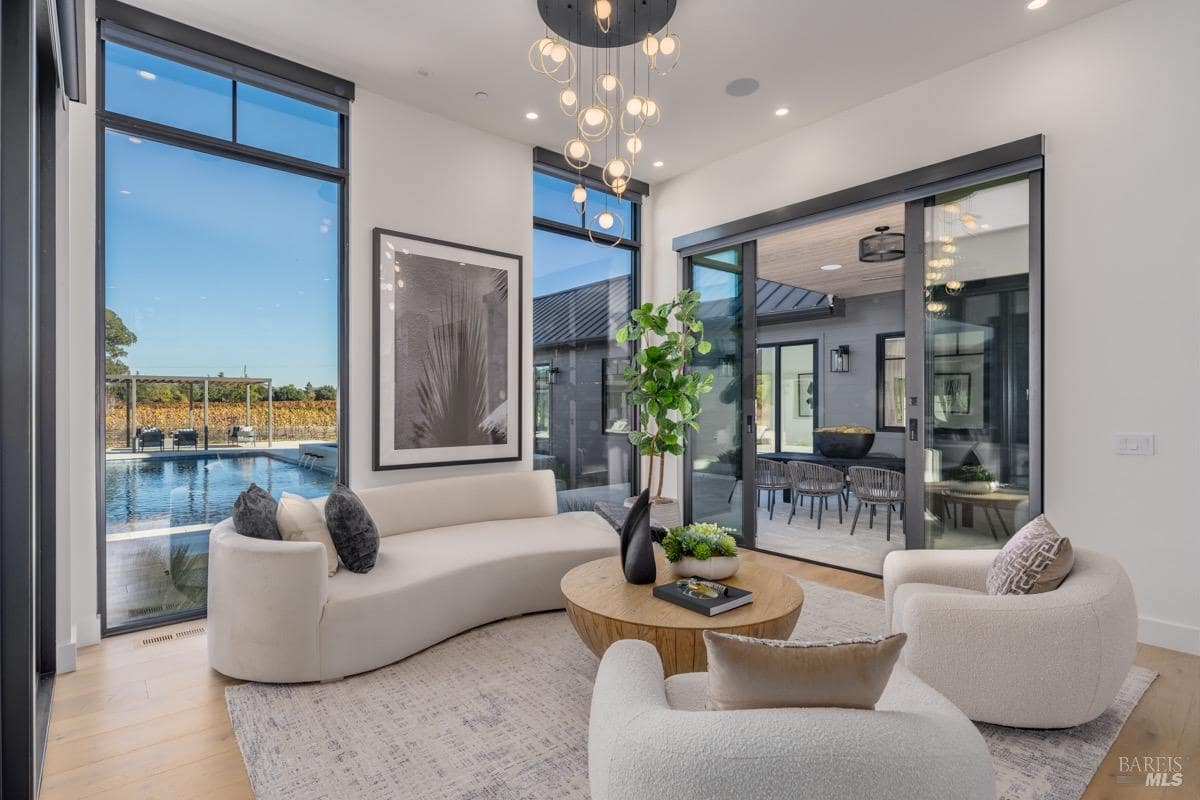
x: 299, y: 520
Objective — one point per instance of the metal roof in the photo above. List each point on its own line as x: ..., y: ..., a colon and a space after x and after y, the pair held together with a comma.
x: 594, y: 311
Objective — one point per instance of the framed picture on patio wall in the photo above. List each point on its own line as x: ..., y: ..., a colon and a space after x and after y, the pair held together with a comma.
x: 447, y: 349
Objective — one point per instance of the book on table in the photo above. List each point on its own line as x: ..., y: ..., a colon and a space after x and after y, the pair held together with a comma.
x: 702, y: 596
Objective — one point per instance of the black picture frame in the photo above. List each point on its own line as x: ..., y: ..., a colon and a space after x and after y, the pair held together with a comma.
x: 943, y: 386
x: 517, y: 364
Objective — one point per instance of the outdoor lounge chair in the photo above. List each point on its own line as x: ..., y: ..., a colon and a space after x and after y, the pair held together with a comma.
x: 243, y: 433
x: 185, y: 437
x: 150, y: 437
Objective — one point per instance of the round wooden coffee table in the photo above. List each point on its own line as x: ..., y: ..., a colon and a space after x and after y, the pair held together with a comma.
x: 604, y: 609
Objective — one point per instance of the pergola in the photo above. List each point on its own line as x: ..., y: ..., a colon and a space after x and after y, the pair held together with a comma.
x: 192, y: 381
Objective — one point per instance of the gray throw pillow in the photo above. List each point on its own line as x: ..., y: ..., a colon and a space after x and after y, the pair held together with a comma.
x: 254, y: 514
x: 1036, y: 559
x: 354, y: 534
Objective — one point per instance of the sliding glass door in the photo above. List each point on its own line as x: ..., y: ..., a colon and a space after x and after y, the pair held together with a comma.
x: 974, y: 439
x: 719, y: 463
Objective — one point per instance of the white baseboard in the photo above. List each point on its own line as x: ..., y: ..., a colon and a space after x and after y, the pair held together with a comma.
x: 1171, y: 635
x: 88, y: 631
x: 65, y: 658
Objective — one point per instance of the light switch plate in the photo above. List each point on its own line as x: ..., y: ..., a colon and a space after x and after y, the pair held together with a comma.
x: 1134, y: 444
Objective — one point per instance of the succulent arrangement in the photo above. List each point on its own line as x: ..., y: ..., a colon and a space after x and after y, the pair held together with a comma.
x: 700, y: 540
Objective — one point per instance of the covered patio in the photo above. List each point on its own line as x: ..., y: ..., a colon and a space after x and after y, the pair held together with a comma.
x: 131, y: 383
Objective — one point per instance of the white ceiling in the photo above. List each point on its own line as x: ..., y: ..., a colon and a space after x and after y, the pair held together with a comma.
x: 817, y: 58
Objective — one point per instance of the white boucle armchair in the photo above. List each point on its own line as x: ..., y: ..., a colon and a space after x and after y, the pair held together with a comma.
x: 1049, y: 660
x: 652, y: 738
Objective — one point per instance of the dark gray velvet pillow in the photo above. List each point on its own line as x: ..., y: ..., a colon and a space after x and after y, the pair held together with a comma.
x: 354, y: 534
x: 254, y: 514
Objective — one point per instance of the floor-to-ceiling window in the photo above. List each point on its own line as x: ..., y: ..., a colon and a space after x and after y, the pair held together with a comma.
x: 222, y: 222
x: 583, y: 289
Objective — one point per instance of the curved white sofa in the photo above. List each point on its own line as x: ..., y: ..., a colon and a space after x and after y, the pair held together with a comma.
x: 652, y: 738
x: 1049, y: 660
x: 454, y: 554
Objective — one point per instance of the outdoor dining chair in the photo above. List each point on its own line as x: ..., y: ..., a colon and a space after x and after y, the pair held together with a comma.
x: 877, y: 487
x: 816, y: 481
x: 769, y: 477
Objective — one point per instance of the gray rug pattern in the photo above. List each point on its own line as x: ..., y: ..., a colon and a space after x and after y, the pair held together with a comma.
x: 501, y: 712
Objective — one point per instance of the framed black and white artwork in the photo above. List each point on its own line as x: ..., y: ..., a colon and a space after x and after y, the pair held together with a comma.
x: 447, y: 345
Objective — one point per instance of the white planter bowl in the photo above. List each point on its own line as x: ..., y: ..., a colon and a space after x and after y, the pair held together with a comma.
x: 713, y: 569
x: 974, y: 487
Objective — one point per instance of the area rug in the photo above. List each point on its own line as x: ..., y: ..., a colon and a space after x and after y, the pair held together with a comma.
x: 501, y: 712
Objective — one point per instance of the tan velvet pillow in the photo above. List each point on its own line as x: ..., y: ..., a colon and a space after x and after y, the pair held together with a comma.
x: 763, y: 673
x: 299, y: 520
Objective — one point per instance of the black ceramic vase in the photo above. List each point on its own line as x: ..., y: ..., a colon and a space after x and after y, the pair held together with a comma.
x: 637, y: 550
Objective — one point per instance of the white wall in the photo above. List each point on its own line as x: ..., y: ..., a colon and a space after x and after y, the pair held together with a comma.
x: 414, y: 172
x: 409, y: 171
x: 1115, y: 95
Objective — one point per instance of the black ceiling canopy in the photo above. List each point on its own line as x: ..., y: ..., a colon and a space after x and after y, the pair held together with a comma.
x: 575, y: 20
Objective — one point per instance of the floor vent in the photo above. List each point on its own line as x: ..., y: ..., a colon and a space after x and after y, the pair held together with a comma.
x: 166, y: 637
x: 171, y: 637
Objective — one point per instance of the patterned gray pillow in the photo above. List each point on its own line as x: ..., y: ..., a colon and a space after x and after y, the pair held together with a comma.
x: 254, y: 514
x: 1036, y: 559
x: 354, y: 534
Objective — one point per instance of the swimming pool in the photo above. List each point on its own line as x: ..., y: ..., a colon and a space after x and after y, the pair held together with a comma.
x: 191, y: 492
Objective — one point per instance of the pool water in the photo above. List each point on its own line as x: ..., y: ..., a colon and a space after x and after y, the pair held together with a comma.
x: 157, y: 493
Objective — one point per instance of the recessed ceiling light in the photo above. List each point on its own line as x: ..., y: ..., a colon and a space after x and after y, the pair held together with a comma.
x: 831, y: 267
x: 146, y: 74
x: 481, y: 95
x: 658, y: 163
x: 782, y: 111
x: 1034, y: 5
x: 531, y: 115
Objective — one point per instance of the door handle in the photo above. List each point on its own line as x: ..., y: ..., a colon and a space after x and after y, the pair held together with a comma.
x: 912, y: 429
x: 749, y: 423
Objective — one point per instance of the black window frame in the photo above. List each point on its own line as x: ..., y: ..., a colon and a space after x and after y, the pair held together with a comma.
x: 545, y: 163
x: 777, y: 398
x: 207, y: 51
x: 881, y: 340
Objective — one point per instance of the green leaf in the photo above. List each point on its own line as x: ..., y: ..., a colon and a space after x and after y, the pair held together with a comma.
x: 704, y: 347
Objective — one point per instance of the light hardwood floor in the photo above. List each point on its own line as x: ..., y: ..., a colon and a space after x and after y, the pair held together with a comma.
x: 148, y: 721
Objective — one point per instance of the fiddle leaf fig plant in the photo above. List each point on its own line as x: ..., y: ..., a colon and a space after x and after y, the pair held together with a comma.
x: 666, y: 393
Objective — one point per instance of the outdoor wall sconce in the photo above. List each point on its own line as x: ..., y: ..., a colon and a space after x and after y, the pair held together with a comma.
x: 839, y: 358
x: 554, y: 372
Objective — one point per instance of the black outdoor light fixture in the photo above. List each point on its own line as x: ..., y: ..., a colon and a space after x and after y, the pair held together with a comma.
x: 883, y: 245
x: 839, y: 358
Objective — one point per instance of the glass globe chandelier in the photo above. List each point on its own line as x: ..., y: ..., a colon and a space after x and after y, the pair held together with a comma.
x: 605, y: 91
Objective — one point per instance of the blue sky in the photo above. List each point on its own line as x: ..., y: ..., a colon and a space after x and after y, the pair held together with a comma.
x: 219, y: 265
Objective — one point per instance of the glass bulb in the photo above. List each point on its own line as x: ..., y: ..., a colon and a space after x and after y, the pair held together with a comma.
x: 605, y: 219
x: 950, y: 208
x: 936, y: 307
x: 650, y: 45
x: 616, y: 167
x: 619, y: 185
x: 633, y: 144
x: 667, y: 45
x: 568, y: 97
x: 608, y: 82
x: 576, y: 149
x: 558, y: 54
x: 603, y: 9
x: 949, y: 248
x: 634, y: 106
x: 593, y: 116
x: 933, y: 275
x: 954, y: 286
x: 579, y: 194
x: 649, y: 108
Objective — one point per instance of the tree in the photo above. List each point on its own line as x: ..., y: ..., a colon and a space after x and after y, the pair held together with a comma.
x: 325, y: 392
x: 288, y: 392
x: 666, y: 393
x: 117, y: 339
